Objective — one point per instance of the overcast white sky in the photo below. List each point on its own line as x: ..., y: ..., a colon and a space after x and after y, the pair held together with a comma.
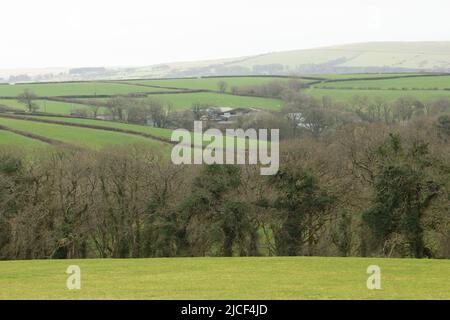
x: 75, y: 33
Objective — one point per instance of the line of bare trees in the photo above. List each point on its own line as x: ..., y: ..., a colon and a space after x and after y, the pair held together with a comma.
x: 368, y: 189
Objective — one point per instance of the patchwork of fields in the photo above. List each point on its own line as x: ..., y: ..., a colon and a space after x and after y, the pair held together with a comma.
x: 181, y: 94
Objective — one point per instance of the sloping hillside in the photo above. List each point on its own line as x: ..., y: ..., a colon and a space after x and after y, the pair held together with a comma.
x: 373, y: 57
x: 352, y: 58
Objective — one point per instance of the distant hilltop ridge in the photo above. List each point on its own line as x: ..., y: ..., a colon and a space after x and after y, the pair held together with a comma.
x: 371, y: 57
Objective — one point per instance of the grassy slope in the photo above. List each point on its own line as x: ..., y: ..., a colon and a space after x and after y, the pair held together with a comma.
x: 415, y: 55
x: 83, y: 137
x: 420, y: 55
x: 70, y: 89
x: 227, y: 278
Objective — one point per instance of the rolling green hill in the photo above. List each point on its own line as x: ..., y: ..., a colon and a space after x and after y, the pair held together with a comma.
x: 408, y: 55
x: 350, y: 58
x: 372, y: 57
x: 380, y: 57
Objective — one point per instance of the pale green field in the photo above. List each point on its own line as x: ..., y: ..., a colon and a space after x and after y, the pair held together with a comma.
x: 81, y: 137
x: 226, y: 278
x: 72, y: 89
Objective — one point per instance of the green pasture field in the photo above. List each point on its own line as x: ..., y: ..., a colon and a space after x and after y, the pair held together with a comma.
x: 15, y: 140
x: 13, y: 104
x: 74, y: 89
x: 347, y: 94
x: 435, y: 82
x: 49, y: 106
x: 180, y: 101
x: 186, y: 100
x: 226, y: 278
x: 160, y: 132
x: 210, y: 83
x: 82, y: 137
x: 360, y: 75
x: 63, y: 108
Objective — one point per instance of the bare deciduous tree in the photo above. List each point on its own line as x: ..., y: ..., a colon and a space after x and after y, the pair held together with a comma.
x: 27, y: 98
x: 222, y: 85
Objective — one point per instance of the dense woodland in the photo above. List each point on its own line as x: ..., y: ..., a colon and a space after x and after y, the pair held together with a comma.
x: 363, y: 178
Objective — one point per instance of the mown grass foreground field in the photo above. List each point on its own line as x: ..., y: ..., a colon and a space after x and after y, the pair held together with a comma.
x: 226, y: 278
